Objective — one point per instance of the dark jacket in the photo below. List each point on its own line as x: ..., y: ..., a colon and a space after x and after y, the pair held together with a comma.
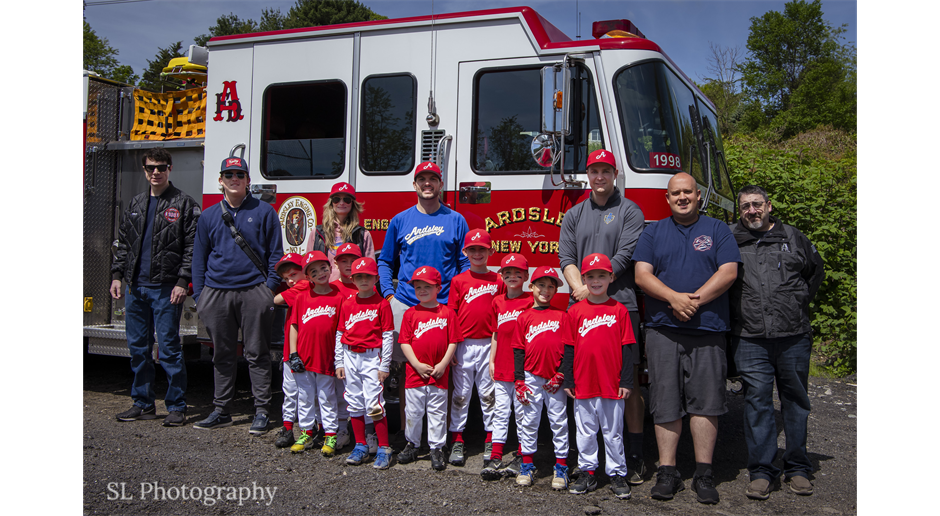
x: 174, y: 231
x: 777, y: 278
x: 319, y: 240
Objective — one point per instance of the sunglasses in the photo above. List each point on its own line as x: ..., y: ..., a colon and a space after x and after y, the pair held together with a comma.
x: 150, y: 168
x: 337, y: 200
x: 228, y: 175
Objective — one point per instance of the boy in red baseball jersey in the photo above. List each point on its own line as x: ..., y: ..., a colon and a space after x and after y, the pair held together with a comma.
x: 363, y: 355
x: 471, y: 296
x: 502, y: 323
x: 428, y: 336
x: 538, y: 349
x: 312, y: 353
x: 290, y: 269
x: 598, y: 373
x: 346, y: 254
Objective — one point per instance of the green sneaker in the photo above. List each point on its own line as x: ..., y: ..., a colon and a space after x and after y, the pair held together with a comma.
x: 329, y: 446
x: 304, y: 443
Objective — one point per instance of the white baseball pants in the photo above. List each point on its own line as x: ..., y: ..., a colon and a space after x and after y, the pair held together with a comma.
x: 604, y: 415
x: 473, y: 367
x: 505, y: 401
x: 428, y: 400
x: 317, y: 400
x: 289, y: 387
x: 556, y: 405
x: 363, y: 390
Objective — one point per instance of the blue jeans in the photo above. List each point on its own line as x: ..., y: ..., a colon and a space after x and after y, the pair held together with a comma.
x: 148, y: 309
x: 760, y: 362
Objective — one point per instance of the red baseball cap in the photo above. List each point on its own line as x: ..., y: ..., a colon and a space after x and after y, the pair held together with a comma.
x: 477, y: 237
x: 426, y: 274
x: 514, y: 260
x: 365, y: 266
x: 428, y: 166
x: 546, y: 272
x: 602, y: 156
x: 289, y: 258
x: 314, y: 256
x: 343, y: 188
x: 233, y: 163
x: 349, y: 248
x: 596, y: 261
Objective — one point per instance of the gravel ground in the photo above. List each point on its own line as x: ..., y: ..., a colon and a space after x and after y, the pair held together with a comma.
x: 158, y: 467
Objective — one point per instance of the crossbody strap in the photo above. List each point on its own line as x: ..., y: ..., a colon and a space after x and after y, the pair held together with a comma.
x: 240, y: 240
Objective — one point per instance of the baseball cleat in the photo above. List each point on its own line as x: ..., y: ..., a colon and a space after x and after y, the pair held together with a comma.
x: 408, y: 455
x: 437, y: 460
x: 620, y: 487
x: 383, y: 457
x: 560, y: 478
x: 493, y: 470
x: 373, y: 441
x: 514, y: 467
x: 526, y: 474
x: 329, y: 446
x: 456, y: 455
x: 636, y: 470
x: 584, y: 484
x: 359, y: 454
x: 285, y: 438
x: 342, y: 439
x: 303, y: 443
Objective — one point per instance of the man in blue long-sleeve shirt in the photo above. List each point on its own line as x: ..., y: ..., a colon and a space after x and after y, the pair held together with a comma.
x: 232, y: 292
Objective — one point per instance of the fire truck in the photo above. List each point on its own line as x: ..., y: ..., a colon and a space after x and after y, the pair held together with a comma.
x: 506, y: 104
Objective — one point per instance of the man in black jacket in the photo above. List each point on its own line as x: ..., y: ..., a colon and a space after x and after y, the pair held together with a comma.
x: 772, y: 338
x: 154, y: 257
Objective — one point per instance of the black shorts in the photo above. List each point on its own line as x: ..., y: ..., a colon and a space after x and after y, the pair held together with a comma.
x: 687, y: 374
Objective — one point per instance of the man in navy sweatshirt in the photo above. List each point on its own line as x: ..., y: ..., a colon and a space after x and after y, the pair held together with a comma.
x: 232, y: 291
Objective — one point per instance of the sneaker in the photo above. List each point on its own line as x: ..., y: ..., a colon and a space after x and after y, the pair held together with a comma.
x: 329, y: 446
x: 560, y: 478
x: 358, y: 455
x: 285, y: 438
x: 758, y: 489
x: 514, y: 467
x: 215, y: 420
x: 383, y: 457
x: 574, y: 473
x: 584, y: 484
x: 620, y: 487
x: 801, y: 485
x: 303, y: 443
x: 526, y: 474
x: 342, y: 439
x: 487, y: 452
x: 704, y: 488
x: 636, y: 470
x: 259, y: 425
x: 493, y: 470
x: 134, y: 413
x: 408, y: 455
x: 437, y: 460
x: 667, y: 485
x: 456, y: 455
x: 373, y: 441
x: 174, y: 418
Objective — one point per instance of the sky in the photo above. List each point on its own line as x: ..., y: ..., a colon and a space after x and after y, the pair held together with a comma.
x: 682, y: 28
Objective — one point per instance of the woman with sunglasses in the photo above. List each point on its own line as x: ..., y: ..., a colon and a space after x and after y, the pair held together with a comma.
x: 341, y: 223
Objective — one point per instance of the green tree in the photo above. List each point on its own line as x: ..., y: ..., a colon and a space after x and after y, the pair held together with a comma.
x: 314, y: 13
x: 798, y: 73
x: 100, y: 57
x: 723, y: 86
x: 231, y: 24
x: 152, y: 80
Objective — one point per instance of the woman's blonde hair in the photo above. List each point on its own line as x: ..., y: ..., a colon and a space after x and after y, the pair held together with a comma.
x: 347, y: 228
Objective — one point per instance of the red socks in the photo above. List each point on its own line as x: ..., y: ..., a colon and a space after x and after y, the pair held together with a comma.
x: 359, y: 429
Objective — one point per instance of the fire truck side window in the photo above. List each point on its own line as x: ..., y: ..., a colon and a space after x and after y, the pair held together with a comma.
x: 507, y: 116
x: 304, y: 130
x: 654, y: 114
x: 720, y: 179
x: 387, y: 127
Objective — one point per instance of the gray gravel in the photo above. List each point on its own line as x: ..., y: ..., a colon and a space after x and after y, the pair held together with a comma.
x: 170, y: 463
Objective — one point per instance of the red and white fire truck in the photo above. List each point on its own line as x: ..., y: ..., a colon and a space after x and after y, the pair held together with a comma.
x: 503, y: 101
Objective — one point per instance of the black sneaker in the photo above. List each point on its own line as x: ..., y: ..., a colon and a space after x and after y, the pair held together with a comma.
x: 514, y: 467
x: 134, y: 413
x: 456, y: 455
x: 174, y: 418
x: 584, y: 484
x: 667, y: 485
x: 285, y: 438
x: 636, y: 470
x: 408, y: 455
x: 493, y: 470
x: 620, y: 487
x: 704, y: 487
x: 437, y: 460
x: 215, y: 420
x: 259, y: 425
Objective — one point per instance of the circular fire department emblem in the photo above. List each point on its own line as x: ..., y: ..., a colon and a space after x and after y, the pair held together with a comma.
x: 171, y: 214
x: 702, y: 243
x: 298, y: 221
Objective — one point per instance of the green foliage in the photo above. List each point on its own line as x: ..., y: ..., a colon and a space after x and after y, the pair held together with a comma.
x: 152, y: 80
x: 811, y: 181
x: 313, y: 13
x: 100, y: 57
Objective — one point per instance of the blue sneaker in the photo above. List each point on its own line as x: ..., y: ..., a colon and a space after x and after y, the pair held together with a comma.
x: 526, y: 474
x: 560, y: 480
x: 382, y: 457
x: 358, y: 455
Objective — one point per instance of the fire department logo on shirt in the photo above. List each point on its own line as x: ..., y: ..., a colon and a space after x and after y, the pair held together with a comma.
x: 608, y: 218
x: 417, y: 233
x: 365, y: 315
x: 328, y: 311
x: 171, y: 214
x: 702, y: 243
x: 440, y: 322
x: 601, y: 320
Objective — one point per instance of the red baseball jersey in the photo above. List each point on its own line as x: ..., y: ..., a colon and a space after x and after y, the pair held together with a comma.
x: 538, y: 333
x: 502, y: 322
x: 429, y: 331
x: 598, y: 332
x: 362, y: 321
x: 346, y: 289
x: 290, y: 296
x: 315, y: 316
x: 471, y: 296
